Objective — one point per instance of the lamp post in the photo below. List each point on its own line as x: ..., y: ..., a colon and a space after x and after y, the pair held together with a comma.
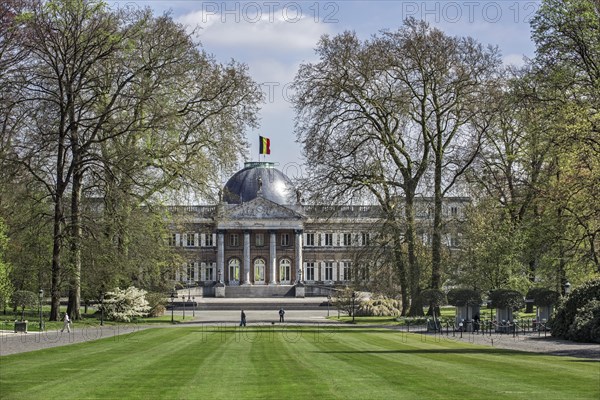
x: 328, y: 303
x: 183, y: 298
x: 41, y: 296
x: 353, y: 298
x: 194, y: 306
x: 101, y: 307
x: 172, y: 305
x: 567, y: 287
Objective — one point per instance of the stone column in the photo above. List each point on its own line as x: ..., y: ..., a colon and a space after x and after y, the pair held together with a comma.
x: 220, y: 256
x: 246, y: 273
x: 273, y: 257
x: 298, y: 250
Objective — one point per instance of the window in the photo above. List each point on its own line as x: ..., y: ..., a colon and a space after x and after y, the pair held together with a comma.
x: 347, y: 239
x: 190, y: 240
x: 234, y: 270
x: 173, y: 239
x: 329, y: 239
x: 310, y: 239
x: 346, y: 271
x: 234, y: 240
x: 285, y: 239
x: 328, y: 271
x: 454, y: 211
x: 454, y: 240
x: 209, y: 273
x: 285, y: 267
x: 209, y: 240
x: 191, y: 272
x: 365, y: 239
x: 310, y: 271
x: 259, y: 239
x: 259, y: 270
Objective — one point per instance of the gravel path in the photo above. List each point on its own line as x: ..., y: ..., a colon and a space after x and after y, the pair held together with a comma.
x: 529, y: 342
x: 11, y: 343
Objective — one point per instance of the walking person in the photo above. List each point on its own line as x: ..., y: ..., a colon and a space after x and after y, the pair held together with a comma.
x: 281, y: 314
x: 243, y: 319
x: 66, y: 323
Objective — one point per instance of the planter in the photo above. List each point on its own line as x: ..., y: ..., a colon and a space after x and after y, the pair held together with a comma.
x: 21, y: 326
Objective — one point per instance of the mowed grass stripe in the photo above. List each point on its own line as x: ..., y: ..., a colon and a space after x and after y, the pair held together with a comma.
x: 289, y: 362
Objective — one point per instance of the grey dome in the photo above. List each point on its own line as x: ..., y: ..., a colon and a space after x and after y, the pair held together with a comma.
x: 243, y: 186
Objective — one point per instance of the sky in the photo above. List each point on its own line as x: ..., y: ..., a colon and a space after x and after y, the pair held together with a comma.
x: 274, y: 37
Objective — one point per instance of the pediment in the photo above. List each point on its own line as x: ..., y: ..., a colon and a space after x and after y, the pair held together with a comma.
x: 260, y: 209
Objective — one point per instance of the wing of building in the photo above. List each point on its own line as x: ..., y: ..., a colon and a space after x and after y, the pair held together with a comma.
x: 260, y: 240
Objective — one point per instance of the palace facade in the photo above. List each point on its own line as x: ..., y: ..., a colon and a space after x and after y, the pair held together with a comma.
x: 261, y: 235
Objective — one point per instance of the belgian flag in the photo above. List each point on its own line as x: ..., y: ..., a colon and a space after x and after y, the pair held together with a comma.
x: 265, y: 145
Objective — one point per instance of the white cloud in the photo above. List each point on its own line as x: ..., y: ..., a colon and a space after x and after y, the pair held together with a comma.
x: 514, y: 59
x: 269, y: 31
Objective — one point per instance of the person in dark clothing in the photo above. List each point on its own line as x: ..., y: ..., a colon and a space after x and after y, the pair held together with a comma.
x: 281, y: 314
x: 243, y: 319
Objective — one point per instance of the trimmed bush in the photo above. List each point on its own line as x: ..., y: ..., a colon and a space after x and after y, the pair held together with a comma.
x: 577, y: 316
x: 543, y: 297
x: 463, y: 297
x: 505, y: 298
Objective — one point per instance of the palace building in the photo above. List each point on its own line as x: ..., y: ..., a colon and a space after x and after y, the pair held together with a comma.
x: 260, y: 240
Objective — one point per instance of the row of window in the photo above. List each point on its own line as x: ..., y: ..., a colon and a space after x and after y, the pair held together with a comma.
x: 313, y: 271
x: 327, y: 271
x: 337, y: 239
x: 192, y: 239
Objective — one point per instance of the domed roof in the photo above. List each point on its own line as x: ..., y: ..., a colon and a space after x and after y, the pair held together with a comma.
x: 245, y: 184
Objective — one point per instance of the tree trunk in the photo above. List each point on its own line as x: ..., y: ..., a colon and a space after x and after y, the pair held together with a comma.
x: 401, y: 270
x: 56, y: 270
x: 436, y: 240
x: 73, y: 309
x: 416, y: 306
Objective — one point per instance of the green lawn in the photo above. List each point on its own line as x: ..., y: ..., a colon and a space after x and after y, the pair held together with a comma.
x: 292, y: 363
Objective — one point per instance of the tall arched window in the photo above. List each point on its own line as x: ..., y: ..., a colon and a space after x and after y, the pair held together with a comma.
x: 259, y: 271
x: 285, y: 271
x: 234, y: 271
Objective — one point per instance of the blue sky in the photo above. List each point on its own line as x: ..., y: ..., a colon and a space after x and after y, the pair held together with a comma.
x: 274, y: 37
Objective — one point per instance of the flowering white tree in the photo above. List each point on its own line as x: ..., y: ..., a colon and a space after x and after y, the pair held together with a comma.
x: 123, y: 305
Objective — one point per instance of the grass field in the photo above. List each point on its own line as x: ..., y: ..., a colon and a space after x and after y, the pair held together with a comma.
x: 292, y: 363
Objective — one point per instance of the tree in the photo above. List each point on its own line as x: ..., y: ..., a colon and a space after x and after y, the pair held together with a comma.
x: 372, y: 115
x: 491, y: 252
x: 23, y: 298
x: 568, y: 78
x: 451, y: 79
x: 97, y: 77
x: 359, y: 140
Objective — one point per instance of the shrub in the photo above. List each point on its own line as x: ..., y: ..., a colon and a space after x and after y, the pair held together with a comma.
x: 577, y: 316
x: 157, y: 303
x: 379, y: 307
x: 505, y: 298
x: 543, y: 297
x: 463, y: 297
x: 123, y: 305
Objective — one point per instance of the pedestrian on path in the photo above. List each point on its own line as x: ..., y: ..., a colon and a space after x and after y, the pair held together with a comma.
x: 243, y: 319
x: 281, y: 314
x: 66, y: 323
